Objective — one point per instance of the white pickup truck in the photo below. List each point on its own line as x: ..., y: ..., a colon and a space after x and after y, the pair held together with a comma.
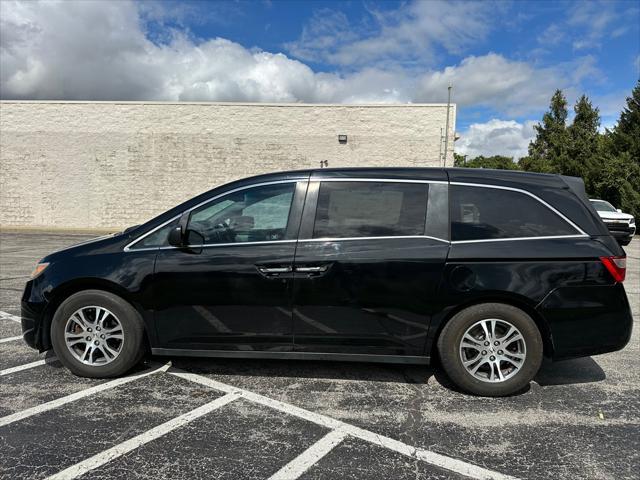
x: 621, y: 225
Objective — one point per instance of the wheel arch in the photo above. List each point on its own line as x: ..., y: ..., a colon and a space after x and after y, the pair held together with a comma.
x: 64, y: 291
x: 512, y: 300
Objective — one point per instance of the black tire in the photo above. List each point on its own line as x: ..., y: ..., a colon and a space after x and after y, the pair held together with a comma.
x: 132, y: 327
x: 450, y: 339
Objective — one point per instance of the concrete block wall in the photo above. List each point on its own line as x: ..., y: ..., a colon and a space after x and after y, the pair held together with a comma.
x: 107, y: 165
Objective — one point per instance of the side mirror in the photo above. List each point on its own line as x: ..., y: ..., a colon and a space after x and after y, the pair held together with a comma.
x: 175, y: 237
x: 618, y: 210
x: 194, y: 238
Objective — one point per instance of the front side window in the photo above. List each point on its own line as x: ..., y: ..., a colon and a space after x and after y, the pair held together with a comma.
x: 370, y: 209
x: 480, y: 213
x: 257, y: 214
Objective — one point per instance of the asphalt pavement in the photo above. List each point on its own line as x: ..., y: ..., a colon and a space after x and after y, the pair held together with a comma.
x: 235, y: 419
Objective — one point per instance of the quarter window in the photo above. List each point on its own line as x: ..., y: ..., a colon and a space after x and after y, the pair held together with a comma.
x: 370, y: 209
x: 479, y: 213
x: 256, y: 214
x: 159, y: 238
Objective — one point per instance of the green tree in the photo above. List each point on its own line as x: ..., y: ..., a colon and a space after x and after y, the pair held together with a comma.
x: 618, y: 178
x: 584, y: 153
x: 549, y: 149
x: 625, y: 137
x: 498, y: 162
x: 459, y: 160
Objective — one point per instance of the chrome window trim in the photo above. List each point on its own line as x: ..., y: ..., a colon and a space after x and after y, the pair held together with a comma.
x: 515, y: 239
x: 388, y: 237
x: 128, y: 246
x: 513, y: 189
x: 208, y: 245
x: 238, y: 244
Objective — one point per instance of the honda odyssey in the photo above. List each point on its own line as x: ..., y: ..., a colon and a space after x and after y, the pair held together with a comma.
x: 488, y: 271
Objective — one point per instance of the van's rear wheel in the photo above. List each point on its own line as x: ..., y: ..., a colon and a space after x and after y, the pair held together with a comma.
x: 491, y: 349
x: 97, y: 334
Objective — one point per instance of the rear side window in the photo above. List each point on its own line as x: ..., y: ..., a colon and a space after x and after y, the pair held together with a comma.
x: 370, y: 209
x: 480, y: 213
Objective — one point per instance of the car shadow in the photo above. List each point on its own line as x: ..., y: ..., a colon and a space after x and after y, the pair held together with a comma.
x: 570, y: 372
x: 309, y: 369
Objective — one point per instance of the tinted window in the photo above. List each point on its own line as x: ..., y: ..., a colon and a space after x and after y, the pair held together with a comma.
x: 368, y: 209
x: 486, y: 213
x: 253, y: 215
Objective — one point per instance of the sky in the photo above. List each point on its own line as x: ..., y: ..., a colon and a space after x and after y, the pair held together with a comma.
x: 504, y: 59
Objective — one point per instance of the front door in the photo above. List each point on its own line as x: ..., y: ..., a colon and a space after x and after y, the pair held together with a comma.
x: 233, y: 292
x: 368, y: 265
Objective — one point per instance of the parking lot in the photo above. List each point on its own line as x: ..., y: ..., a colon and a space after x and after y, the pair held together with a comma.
x: 236, y: 419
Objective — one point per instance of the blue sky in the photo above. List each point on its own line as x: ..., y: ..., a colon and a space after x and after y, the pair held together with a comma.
x: 504, y: 59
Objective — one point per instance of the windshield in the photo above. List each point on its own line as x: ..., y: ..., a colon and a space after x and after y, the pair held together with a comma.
x: 602, y: 206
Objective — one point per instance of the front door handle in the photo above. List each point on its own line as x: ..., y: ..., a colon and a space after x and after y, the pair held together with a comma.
x: 272, y: 270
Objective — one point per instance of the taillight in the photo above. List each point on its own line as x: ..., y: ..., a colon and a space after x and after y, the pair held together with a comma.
x: 617, y: 267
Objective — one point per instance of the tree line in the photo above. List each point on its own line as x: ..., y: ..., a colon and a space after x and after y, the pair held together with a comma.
x: 609, y: 162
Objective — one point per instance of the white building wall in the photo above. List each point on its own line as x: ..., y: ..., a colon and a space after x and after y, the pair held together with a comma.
x: 107, y: 165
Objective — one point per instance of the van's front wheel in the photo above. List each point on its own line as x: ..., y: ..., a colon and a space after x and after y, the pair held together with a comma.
x: 97, y: 334
x: 491, y: 349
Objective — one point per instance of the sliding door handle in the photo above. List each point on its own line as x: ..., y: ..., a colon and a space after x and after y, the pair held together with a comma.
x: 313, y: 269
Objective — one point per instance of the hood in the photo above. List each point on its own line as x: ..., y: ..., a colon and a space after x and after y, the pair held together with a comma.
x: 615, y: 216
x: 103, y: 244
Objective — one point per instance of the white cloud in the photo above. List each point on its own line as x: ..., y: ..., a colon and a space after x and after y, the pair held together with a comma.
x: 552, y: 35
x: 588, y: 23
x: 595, y: 19
x: 496, y: 137
x: 102, y: 51
x: 407, y: 35
x: 492, y: 81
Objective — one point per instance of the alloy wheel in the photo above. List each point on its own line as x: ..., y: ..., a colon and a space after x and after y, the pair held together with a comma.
x: 493, y: 350
x: 94, y: 335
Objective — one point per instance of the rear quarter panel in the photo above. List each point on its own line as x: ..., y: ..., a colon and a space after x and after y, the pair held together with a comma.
x: 526, y: 273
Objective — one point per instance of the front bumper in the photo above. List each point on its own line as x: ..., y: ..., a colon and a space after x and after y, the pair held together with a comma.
x: 621, y: 230
x: 33, y: 310
x: 587, y: 320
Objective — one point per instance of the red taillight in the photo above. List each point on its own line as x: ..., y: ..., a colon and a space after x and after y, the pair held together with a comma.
x: 617, y: 267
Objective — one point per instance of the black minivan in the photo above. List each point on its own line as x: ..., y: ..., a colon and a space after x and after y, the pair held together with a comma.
x: 486, y: 270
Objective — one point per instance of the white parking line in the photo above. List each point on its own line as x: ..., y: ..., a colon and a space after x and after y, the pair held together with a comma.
x: 106, y: 456
x: 10, y: 339
x: 9, y: 316
x: 27, y: 366
x: 310, y: 456
x: 44, y: 407
x: 260, y: 399
x: 443, y: 461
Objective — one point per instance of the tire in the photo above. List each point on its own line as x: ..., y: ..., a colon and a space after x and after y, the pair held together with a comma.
x: 500, y: 370
x: 118, y: 317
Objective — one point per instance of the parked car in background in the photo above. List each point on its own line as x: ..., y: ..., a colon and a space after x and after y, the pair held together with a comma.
x: 487, y: 270
x: 621, y: 225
